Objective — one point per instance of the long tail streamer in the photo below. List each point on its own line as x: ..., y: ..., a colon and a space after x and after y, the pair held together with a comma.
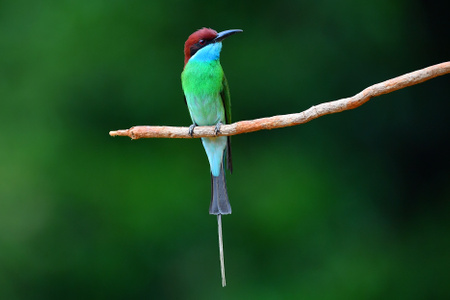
x: 222, y: 260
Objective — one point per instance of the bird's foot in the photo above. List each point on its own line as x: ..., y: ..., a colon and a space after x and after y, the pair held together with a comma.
x: 191, y: 129
x: 217, y: 128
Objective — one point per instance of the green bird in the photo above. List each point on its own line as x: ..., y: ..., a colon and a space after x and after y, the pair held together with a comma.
x: 208, y: 99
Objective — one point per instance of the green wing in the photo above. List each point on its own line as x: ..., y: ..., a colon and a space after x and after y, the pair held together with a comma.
x: 225, y: 94
x: 226, y: 99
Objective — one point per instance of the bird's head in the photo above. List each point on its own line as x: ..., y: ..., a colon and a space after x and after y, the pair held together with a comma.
x: 202, y: 38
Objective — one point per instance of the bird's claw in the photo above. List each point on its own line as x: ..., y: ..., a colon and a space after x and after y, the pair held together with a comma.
x: 217, y: 128
x: 191, y: 130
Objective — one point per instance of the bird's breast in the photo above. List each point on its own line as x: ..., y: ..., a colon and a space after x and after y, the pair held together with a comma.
x: 202, y: 85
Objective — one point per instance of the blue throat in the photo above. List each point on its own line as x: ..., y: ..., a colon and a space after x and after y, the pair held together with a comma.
x: 208, y: 53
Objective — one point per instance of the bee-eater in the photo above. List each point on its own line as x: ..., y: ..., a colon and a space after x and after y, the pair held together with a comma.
x: 208, y: 99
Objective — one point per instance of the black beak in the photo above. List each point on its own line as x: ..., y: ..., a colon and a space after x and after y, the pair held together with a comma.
x: 224, y: 34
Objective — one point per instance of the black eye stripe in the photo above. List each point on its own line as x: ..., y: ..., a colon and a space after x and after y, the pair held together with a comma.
x: 194, y: 48
x: 200, y: 44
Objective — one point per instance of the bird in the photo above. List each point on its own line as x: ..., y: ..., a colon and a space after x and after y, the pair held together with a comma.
x: 207, y: 97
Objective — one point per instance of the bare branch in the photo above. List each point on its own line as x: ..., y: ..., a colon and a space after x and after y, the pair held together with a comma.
x: 312, y: 113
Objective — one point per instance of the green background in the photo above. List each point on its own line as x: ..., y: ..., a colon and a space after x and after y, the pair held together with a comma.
x: 349, y: 206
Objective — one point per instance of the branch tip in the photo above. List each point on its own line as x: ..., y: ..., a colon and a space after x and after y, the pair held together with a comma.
x: 120, y: 132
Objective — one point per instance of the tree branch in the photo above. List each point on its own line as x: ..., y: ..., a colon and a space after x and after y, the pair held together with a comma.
x: 280, y: 121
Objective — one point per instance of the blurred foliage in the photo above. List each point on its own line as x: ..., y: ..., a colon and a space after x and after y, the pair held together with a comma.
x: 349, y: 206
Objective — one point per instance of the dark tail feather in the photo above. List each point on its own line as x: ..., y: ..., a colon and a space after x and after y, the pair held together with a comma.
x: 220, y: 205
x: 229, y: 159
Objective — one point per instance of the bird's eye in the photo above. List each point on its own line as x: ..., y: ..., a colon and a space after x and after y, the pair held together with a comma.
x: 202, y: 42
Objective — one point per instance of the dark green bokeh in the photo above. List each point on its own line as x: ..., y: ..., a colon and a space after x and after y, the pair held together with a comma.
x: 349, y: 206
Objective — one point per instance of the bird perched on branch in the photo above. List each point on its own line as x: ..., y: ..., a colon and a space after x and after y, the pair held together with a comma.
x: 208, y: 99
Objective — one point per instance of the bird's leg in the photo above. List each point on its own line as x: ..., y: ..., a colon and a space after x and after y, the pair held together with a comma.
x: 217, y: 129
x: 191, y: 129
